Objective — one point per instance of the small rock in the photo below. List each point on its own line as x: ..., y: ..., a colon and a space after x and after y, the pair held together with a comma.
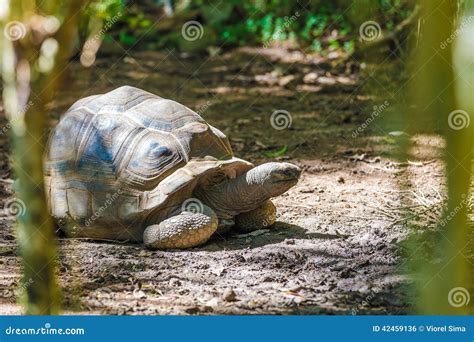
x: 347, y: 273
x: 229, y: 295
x: 310, y: 78
x: 298, y: 300
x: 341, y: 180
x: 208, y: 309
x: 174, y: 282
x: 212, y: 302
x: 192, y: 310
x: 326, y: 80
x: 344, y: 80
x: 139, y: 294
x: 287, y: 80
x: 268, y: 79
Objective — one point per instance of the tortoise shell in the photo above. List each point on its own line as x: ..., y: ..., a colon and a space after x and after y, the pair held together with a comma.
x: 122, y: 160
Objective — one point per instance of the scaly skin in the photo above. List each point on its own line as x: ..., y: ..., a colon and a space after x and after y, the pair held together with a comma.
x: 182, y: 231
x: 263, y: 216
x: 250, y: 190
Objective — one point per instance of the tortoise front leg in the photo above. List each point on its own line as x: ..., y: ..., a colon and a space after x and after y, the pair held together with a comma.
x: 184, y: 230
x: 263, y: 216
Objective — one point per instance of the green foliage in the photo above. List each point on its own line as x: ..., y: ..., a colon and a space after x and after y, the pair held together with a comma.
x: 96, y: 14
x: 278, y: 153
x: 127, y: 39
x: 105, y: 9
x: 314, y: 25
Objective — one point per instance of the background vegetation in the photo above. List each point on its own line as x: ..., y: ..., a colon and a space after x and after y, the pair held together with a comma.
x: 322, y: 26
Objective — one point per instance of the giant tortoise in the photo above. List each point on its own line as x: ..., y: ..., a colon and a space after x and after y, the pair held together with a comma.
x: 130, y: 165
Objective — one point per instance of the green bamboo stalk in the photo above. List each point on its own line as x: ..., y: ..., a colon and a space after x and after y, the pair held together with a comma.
x: 462, y: 141
x: 31, y: 76
x: 442, y: 285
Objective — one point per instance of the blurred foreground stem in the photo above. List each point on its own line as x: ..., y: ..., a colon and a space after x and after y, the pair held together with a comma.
x: 442, y: 95
x: 34, y: 55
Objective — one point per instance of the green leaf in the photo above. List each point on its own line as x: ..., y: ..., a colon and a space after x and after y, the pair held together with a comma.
x: 277, y: 153
x: 127, y: 39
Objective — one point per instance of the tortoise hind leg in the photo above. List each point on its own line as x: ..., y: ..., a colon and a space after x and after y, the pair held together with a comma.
x: 184, y: 230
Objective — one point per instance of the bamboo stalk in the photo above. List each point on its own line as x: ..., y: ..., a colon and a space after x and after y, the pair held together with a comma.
x: 441, y: 284
x: 33, y: 58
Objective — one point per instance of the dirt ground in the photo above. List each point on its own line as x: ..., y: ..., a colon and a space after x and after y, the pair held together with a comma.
x: 337, y: 245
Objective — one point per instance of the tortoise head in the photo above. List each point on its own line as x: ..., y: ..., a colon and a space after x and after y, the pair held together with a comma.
x: 273, y: 179
x: 251, y: 189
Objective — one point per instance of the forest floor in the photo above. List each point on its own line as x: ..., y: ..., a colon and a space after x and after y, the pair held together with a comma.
x: 338, y: 244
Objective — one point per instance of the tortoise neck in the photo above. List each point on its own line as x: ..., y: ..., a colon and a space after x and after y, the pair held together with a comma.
x: 234, y: 196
